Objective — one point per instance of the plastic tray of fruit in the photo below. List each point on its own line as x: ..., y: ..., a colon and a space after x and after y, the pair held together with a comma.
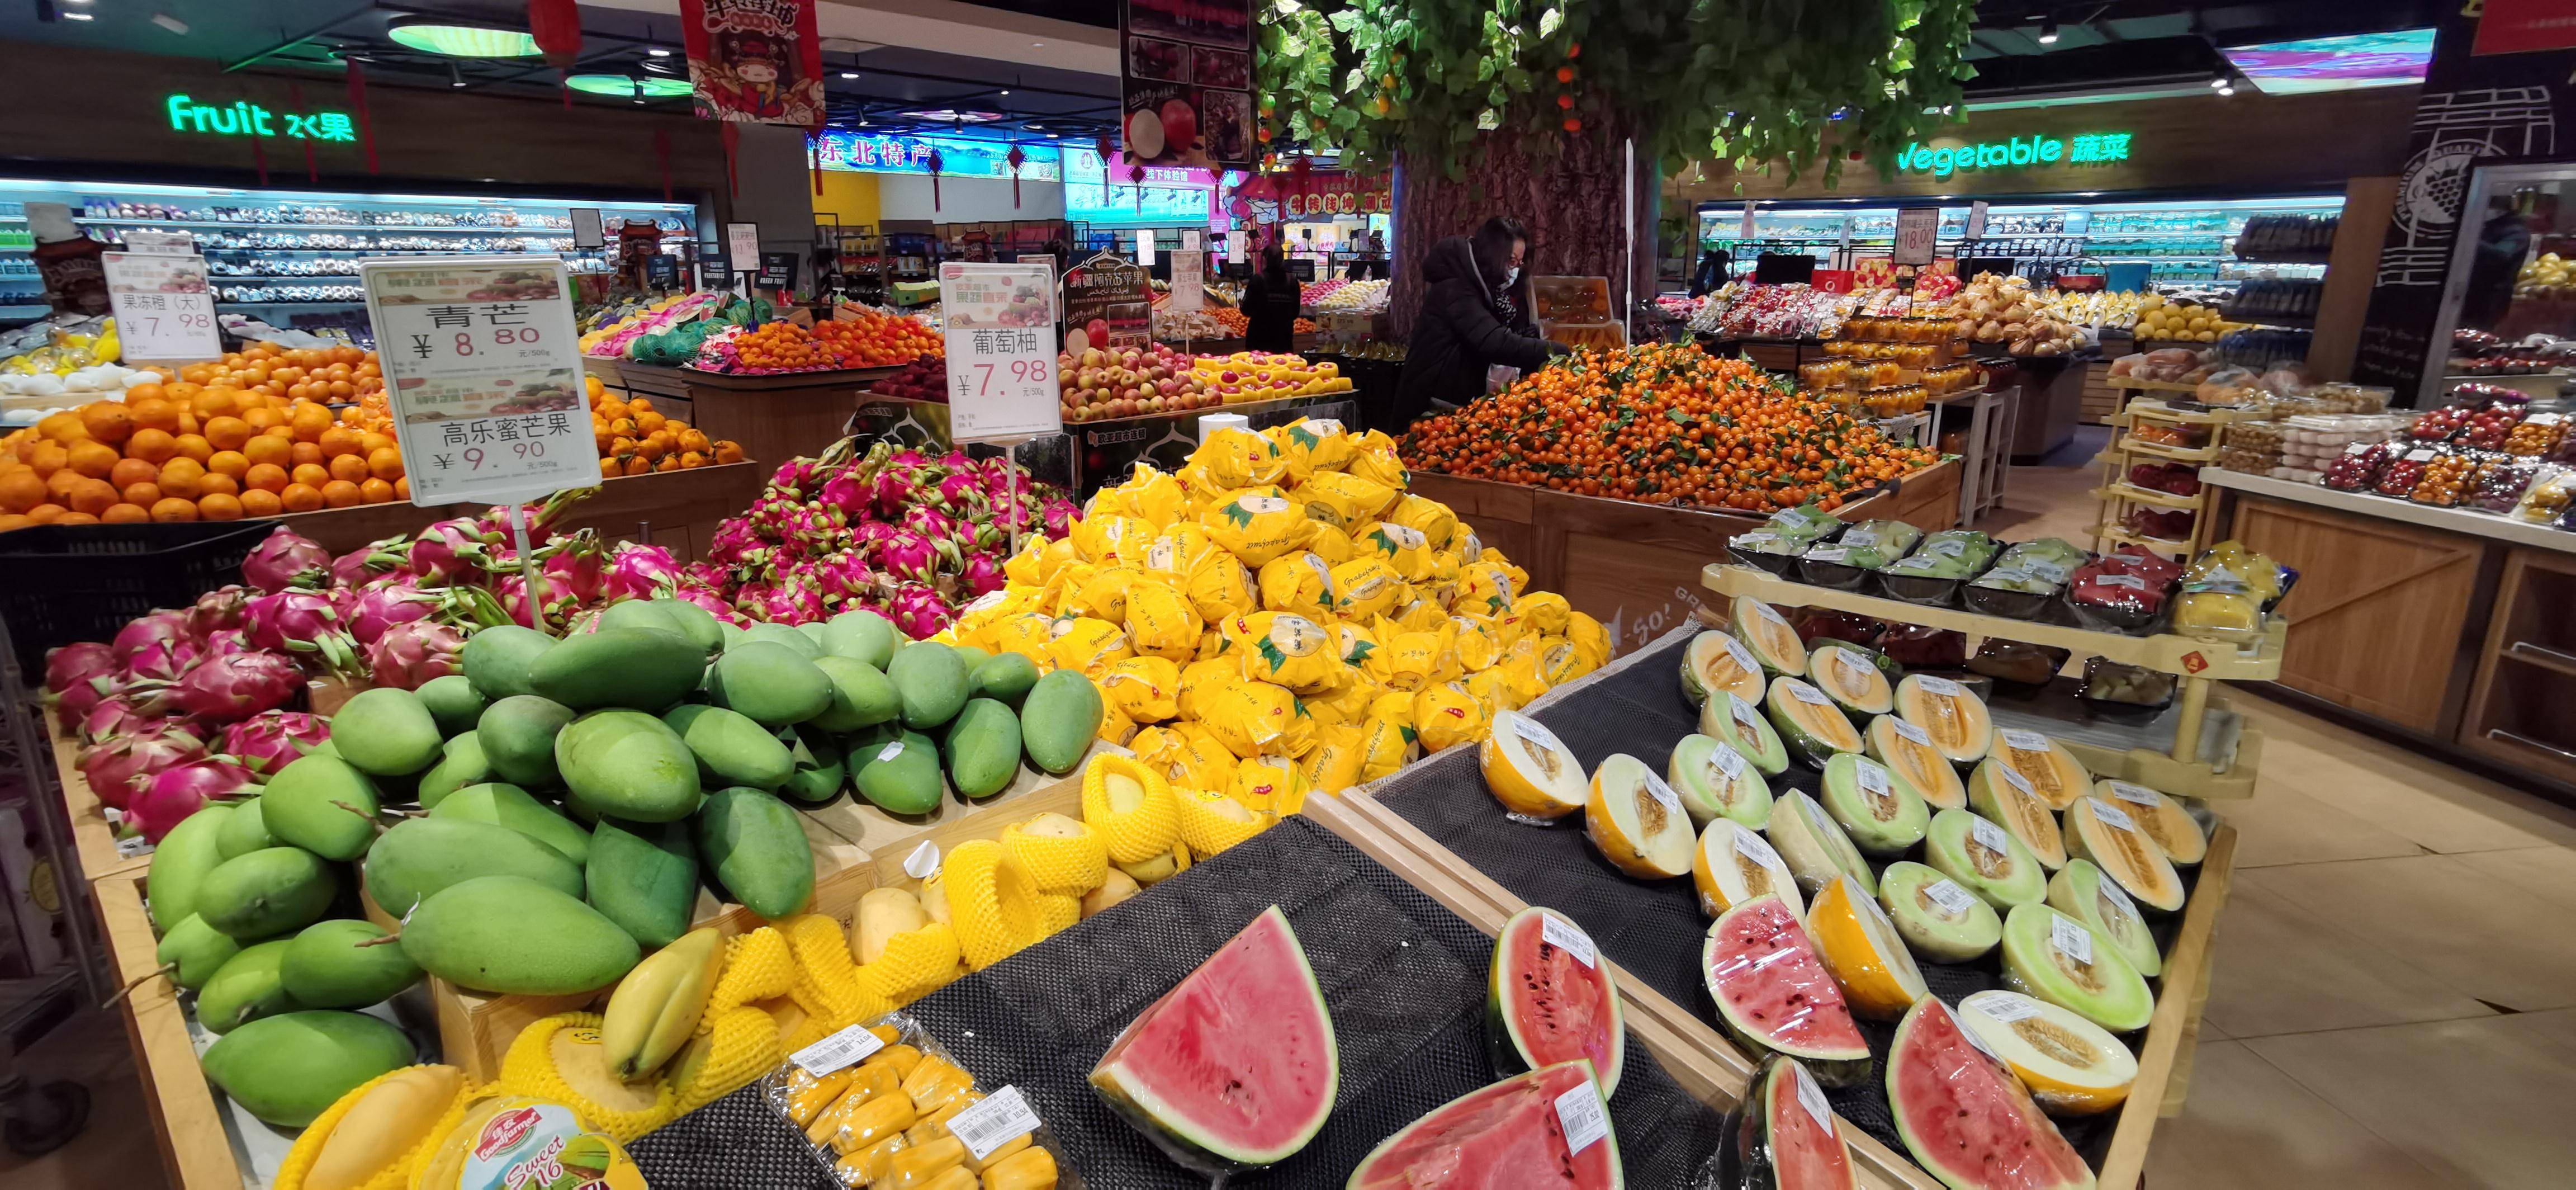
x: 885, y: 1103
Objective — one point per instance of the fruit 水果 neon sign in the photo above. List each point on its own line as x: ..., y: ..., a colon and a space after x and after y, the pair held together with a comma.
x: 241, y: 117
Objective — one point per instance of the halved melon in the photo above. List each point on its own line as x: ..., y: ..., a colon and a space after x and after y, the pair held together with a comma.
x: 1737, y: 722
x: 1908, y: 752
x: 1529, y: 770
x: 2053, y: 772
x: 1636, y: 821
x: 1882, y: 817
x: 1815, y: 849
x: 1864, y: 952
x: 2166, y: 820
x: 1850, y: 675
x: 2072, y: 1066
x: 1985, y: 859
x: 1734, y: 864
x: 1956, y: 719
x: 1783, y: 1135
x: 1718, y: 661
x: 1774, y: 994
x: 2005, y: 797
x: 2056, y: 958
x: 1550, y: 1001
x: 1966, y: 1118
x: 1768, y: 634
x: 2080, y: 890
x: 1936, y: 915
x: 2104, y: 833
x: 1716, y: 781
x: 1494, y: 1136
x: 1810, y: 721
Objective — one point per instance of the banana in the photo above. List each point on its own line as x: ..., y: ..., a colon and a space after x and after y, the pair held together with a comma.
x: 382, y: 1126
x: 656, y: 1007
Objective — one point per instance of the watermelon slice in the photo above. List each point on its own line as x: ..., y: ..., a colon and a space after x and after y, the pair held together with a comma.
x: 1783, y: 1135
x: 1549, y: 1003
x: 1235, y: 1067
x: 1503, y: 1137
x: 1966, y: 1118
x: 1773, y: 993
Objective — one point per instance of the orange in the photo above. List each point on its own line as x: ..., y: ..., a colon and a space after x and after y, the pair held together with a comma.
x: 124, y: 514
x: 174, y: 509
x: 668, y: 463
x: 129, y: 472
x: 141, y: 493
x: 375, y: 491
x: 46, y: 514
x: 62, y: 427
x: 107, y: 421
x: 184, y: 393
x: 49, y: 458
x: 348, y: 467
x: 228, y: 433
x: 311, y: 474
x: 340, y: 493
x: 268, y: 477
x: 76, y: 518
x: 649, y: 421
x: 302, y: 392
x: 152, y: 446
x: 402, y: 488
x: 638, y: 465
x: 309, y: 421
x: 218, y: 484
x: 228, y: 462
x: 305, y: 452
x: 691, y: 460
x: 58, y: 486
x: 264, y: 418
x: 92, y: 496
x: 219, y: 507
x: 93, y: 459
x: 255, y: 502
x: 268, y: 448
x: 610, y: 468
x: 20, y: 490
x: 623, y: 427
x: 300, y: 497
x: 641, y: 405
x: 371, y: 441
x: 14, y: 521
x: 340, y: 440
x: 342, y: 390
x: 195, y: 446
x: 215, y: 402
x: 385, y: 463
x: 352, y: 415
x: 179, y: 477
x: 187, y: 422
x: 198, y: 373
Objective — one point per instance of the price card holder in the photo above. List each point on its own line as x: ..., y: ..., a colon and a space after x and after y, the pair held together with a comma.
x: 1000, y: 326
x: 483, y: 370
x: 165, y: 311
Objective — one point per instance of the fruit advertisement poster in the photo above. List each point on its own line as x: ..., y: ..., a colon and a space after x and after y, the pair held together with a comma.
x: 755, y: 61
x: 483, y: 369
x: 1185, y: 70
x: 1107, y: 303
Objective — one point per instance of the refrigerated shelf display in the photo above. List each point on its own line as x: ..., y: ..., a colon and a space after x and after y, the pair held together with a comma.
x: 2181, y: 240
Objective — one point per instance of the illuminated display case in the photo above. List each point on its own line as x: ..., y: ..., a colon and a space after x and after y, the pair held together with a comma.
x: 2179, y: 241
x: 2508, y: 313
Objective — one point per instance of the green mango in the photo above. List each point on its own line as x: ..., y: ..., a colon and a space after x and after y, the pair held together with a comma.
x: 193, y: 951
x: 644, y: 668
x: 861, y: 635
x: 971, y: 657
x: 453, y: 701
x: 515, y: 936
x: 801, y: 644
x: 732, y: 634
x: 862, y: 696
x: 461, y: 762
x: 644, y: 877
x: 813, y: 630
x: 820, y: 771
x: 325, y: 967
x: 244, y: 830
x: 773, y: 684
x: 694, y: 622
x: 387, y: 732
x: 731, y: 749
x: 179, y: 865
x: 901, y: 776
x: 755, y: 847
x: 1006, y: 677
x: 497, y: 660
x: 639, y: 613
x: 322, y: 804
x: 629, y: 765
x: 288, y: 1069
x: 1059, y: 719
x: 932, y: 680
x: 267, y: 892
x: 246, y: 987
x: 983, y: 748
x: 421, y: 856
x: 517, y: 735
x: 510, y: 806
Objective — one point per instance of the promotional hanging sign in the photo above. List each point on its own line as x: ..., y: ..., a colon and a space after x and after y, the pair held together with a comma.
x: 755, y: 61
x: 1185, y: 78
x: 1107, y: 303
x: 1000, y: 324
x: 164, y: 310
x: 483, y: 370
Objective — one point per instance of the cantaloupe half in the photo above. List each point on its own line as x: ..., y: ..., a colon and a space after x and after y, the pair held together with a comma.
x: 1850, y: 675
x: 1951, y: 714
x: 1716, y: 781
x: 1864, y: 952
x: 2052, y: 771
x: 1918, y: 765
x: 2080, y: 891
x: 1530, y: 771
x: 1718, y: 661
x: 2006, y: 798
x: 2072, y: 1066
x: 2165, y: 820
x: 1814, y: 845
x: 1768, y: 634
x: 1734, y: 864
x: 2105, y: 834
x: 1636, y: 821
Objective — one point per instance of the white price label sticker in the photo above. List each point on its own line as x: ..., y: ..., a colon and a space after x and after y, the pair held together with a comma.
x: 1002, y: 1117
x: 1828, y: 553
x: 1873, y: 779
x: 1943, y: 687
x: 1860, y: 538
x: 849, y: 1045
x: 2013, y: 777
x: 1743, y: 657
x: 2071, y: 938
x: 1757, y: 537
x: 890, y: 751
x: 1990, y: 836
x: 2419, y: 456
x: 1756, y: 848
x: 1808, y: 694
x: 2007, y: 1009
x: 2046, y: 570
x: 1672, y: 802
x: 1949, y: 896
x: 999, y: 323
x: 1816, y: 814
x: 1853, y: 664
x: 1914, y: 735
x: 1812, y: 1097
x: 1727, y: 763
x: 2119, y: 897
x: 2128, y: 582
x: 1535, y: 732
x: 2138, y: 794
x: 1768, y: 612
x: 1743, y: 712
x: 1564, y: 936
x: 2027, y: 741
x: 1580, y: 1112
x: 2112, y: 816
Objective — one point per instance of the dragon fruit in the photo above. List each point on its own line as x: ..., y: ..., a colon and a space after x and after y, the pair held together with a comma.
x: 160, y: 662
x: 919, y: 610
x: 119, y: 769
x: 384, y: 603
x: 962, y: 492
x: 982, y: 575
x: 409, y: 655
x: 713, y: 600
x: 446, y: 550
x: 302, y: 622
x: 148, y: 630
x: 843, y: 576
x: 1060, y: 514
x: 183, y: 789
x: 641, y: 572
x: 363, y: 564
x: 75, y: 664
x: 789, y: 602
x: 114, y: 716
x: 894, y: 488
x: 269, y: 740
x: 219, y: 609
x: 285, y: 559
x: 928, y: 522
x: 908, y: 555
x: 237, y: 686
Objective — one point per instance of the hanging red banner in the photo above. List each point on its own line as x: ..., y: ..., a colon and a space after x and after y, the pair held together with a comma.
x: 755, y: 61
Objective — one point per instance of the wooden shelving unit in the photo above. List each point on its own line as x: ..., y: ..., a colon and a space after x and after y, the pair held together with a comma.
x: 2522, y: 702
x: 2118, y: 495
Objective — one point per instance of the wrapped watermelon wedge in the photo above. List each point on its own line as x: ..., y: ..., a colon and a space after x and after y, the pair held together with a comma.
x: 1783, y: 1136
x: 1773, y: 992
x: 1966, y: 1117
x: 1551, y: 999
x: 1236, y: 1066
x: 1548, y: 1127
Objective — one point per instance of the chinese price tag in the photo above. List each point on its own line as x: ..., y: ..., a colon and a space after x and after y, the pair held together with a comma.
x: 1950, y: 897
x: 484, y: 372
x: 1189, y: 275
x: 164, y: 309
x: 1916, y: 735
x: 1579, y: 1112
x: 2112, y: 816
x: 1812, y: 1097
x: 2006, y: 1009
x: 1001, y: 351
x: 1990, y: 836
x: 1002, y: 1117
x: 836, y: 1051
x: 2071, y: 938
x: 1145, y: 248
x: 1535, y: 732
x: 1564, y: 936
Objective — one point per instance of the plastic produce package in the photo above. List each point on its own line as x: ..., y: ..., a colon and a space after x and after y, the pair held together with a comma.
x: 887, y: 1105
x: 2122, y: 591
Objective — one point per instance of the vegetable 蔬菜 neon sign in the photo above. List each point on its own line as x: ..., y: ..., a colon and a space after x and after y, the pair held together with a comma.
x: 2020, y: 152
x: 241, y: 117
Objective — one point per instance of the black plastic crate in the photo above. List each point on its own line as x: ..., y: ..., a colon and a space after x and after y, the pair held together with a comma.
x: 86, y: 582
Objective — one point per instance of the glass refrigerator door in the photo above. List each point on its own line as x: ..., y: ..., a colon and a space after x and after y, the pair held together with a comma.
x: 2509, y: 310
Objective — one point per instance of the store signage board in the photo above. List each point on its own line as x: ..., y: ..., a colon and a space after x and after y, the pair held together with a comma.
x: 165, y: 312
x: 1108, y: 302
x: 587, y: 231
x: 959, y: 157
x: 2020, y: 152
x: 777, y: 270
x: 1189, y: 274
x: 1185, y: 83
x: 1916, y: 230
x: 1977, y: 220
x: 241, y: 117
x: 484, y: 372
x: 160, y: 243
x: 1000, y: 326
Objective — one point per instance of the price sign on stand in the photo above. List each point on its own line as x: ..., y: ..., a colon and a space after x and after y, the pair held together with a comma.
x: 484, y: 373
x: 1145, y: 248
x: 1189, y: 274
x: 164, y: 310
x: 160, y: 243
x: 1977, y: 220
x: 1916, y: 229
x: 1001, y: 351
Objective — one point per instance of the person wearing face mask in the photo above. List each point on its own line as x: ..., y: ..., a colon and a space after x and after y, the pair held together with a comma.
x: 1475, y: 313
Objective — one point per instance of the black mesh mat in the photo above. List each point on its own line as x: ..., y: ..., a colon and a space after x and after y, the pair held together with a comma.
x: 738, y: 1142
x: 1652, y: 930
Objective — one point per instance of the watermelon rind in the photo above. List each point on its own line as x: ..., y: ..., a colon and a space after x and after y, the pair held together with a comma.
x: 1833, y: 1065
x: 1193, y: 1148
x: 1553, y: 1080
x: 2031, y: 1156
x: 1502, y: 1024
x: 1748, y: 1149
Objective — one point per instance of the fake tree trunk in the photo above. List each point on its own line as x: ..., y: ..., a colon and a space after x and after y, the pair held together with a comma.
x: 1569, y: 199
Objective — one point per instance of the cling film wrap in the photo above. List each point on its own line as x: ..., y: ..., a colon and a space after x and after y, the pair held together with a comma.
x: 1331, y: 543
x: 1102, y: 594
x: 1144, y: 689
x: 1342, y: 500
x: 1412, y: 660
x: 1402, y: 547
x: 1445, y: 715
x: 1300, y: 582
x: 1199, y: 677
x: 1088, y: 646
x: 914, y: 1049
x: 1232, y: 458
x: 1545, y: 612
x: 1161, y: 622
x: 1364, y: 587
x: 1027, y: 634
x: 1222, y: 588
x: 1112, y: 538
x: 1478, y: 646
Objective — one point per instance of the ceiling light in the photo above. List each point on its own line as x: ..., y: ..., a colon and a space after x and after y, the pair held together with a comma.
x: 619, y: 84
x: 659, y: 52
x: 2048, y: 31
x: 78, y: 16
x: 464, y: 41
x: 455, y: 75
x: 2226, y: 88
x: 2220, y: 81
x: 1006, y: 92
x: 849, y: 74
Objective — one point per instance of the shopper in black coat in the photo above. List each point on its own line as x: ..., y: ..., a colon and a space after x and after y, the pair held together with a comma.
x: 1474, y: 314
x: 1270, y: 302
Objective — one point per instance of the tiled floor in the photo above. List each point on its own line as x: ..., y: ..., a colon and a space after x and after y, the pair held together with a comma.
x: 2393, y: 1005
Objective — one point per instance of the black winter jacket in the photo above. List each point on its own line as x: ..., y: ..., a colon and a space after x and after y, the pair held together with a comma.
x: 1458, y: 331
x: 1270, y: 314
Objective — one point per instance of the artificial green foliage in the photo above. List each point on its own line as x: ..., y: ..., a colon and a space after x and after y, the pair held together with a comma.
x: 1752, y: 82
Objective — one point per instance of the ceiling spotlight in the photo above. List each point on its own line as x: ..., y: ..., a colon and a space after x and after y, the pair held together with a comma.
x: 78, y: 16
x: 455, y: 75
x: 659, y: 52
x: 2048, y: 31
x: 1006, y: 92
x: 2226, y: 88
x: 849, y: 74
x: 2220, y: 81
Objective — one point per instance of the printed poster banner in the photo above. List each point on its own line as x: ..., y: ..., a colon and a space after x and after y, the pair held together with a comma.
x: 755, y: 61
x: 1185, y: 72
x: 1107, y: 303
x: 1322, y: 194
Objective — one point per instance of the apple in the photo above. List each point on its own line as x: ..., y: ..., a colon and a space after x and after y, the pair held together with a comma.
x: 1150, y: 390
x: 1180, y: 125
x: 1099, y: 330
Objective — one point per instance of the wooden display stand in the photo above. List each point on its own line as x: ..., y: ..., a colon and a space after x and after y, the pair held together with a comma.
x: 2118, y: 495
x: 677, y: 510
x: 775, y: 418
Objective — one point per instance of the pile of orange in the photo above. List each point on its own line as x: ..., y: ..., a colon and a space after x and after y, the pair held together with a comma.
x: 636, y: 439
x: 782, y: 345
x: 869, y: 339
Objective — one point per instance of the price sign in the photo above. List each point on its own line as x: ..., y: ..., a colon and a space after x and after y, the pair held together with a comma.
x: 1189, y: 275
x: 1916, y: 228
x: 1977, y: 220
x: 1001, y: 351
x: 587, y: 229
x: 160, y: 243
x: 742, y: 245
x: 483, y: 369
x: 1234, y: 249
x: 164, y: 310
x: 1744, y: 223
x: 1145, y: 248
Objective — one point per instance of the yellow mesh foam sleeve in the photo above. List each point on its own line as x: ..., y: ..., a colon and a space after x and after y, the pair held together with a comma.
x: 915, y: 964
x: 1068, y: 867
x: 1207, y: 828
x: 1057, y: 913
x: 827, y: 978
x: 746, y: 1047
x: 758, y: 966
x: 529, y: 1069
x: 991, y: 903
x: 308, y: 1146
x: 1143, y: 832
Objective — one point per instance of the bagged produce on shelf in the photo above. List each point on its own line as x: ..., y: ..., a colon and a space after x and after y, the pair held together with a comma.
x: 2123, y: 590
x: 2226, y: 591
x: 2546, y: 500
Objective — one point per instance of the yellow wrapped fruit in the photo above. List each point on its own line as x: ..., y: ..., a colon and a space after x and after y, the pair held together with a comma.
x: 1301, y: 582
x: 1401, y: 547
x: 1446, y: 714
x: 1269, y: 783
x: 1426, y: 516
x: 1103, y: 594
x: 1233, y: 458
x: 1334, y: 764
x: 1475, y: 643
x: 1311, y: 446
x: 1144, y: 689
x: 1222, y: 588
x: 1590, y: 639
x: 1256, y: 719
x: 1283, y: 649
x: 1088, y: 646
x: 1330, y: 544
x: 1212, y: 821
x: 1257, y: 526
x: 1112, y: 538
x: 991, y: 903
x: 1342, y: 500
x: 1161, y: 623
x: 1364, y: 587
x: 1199, y: 677
x: 1131, y: 806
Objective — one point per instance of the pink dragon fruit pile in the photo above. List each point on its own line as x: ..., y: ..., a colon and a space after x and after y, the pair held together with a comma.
x: 907, y: 535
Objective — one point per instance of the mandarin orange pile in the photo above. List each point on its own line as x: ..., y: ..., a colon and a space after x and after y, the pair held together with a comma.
x: 782, y: 345
x: 870, y: 339
x: 1663, y: 424
x: 636, y: 439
